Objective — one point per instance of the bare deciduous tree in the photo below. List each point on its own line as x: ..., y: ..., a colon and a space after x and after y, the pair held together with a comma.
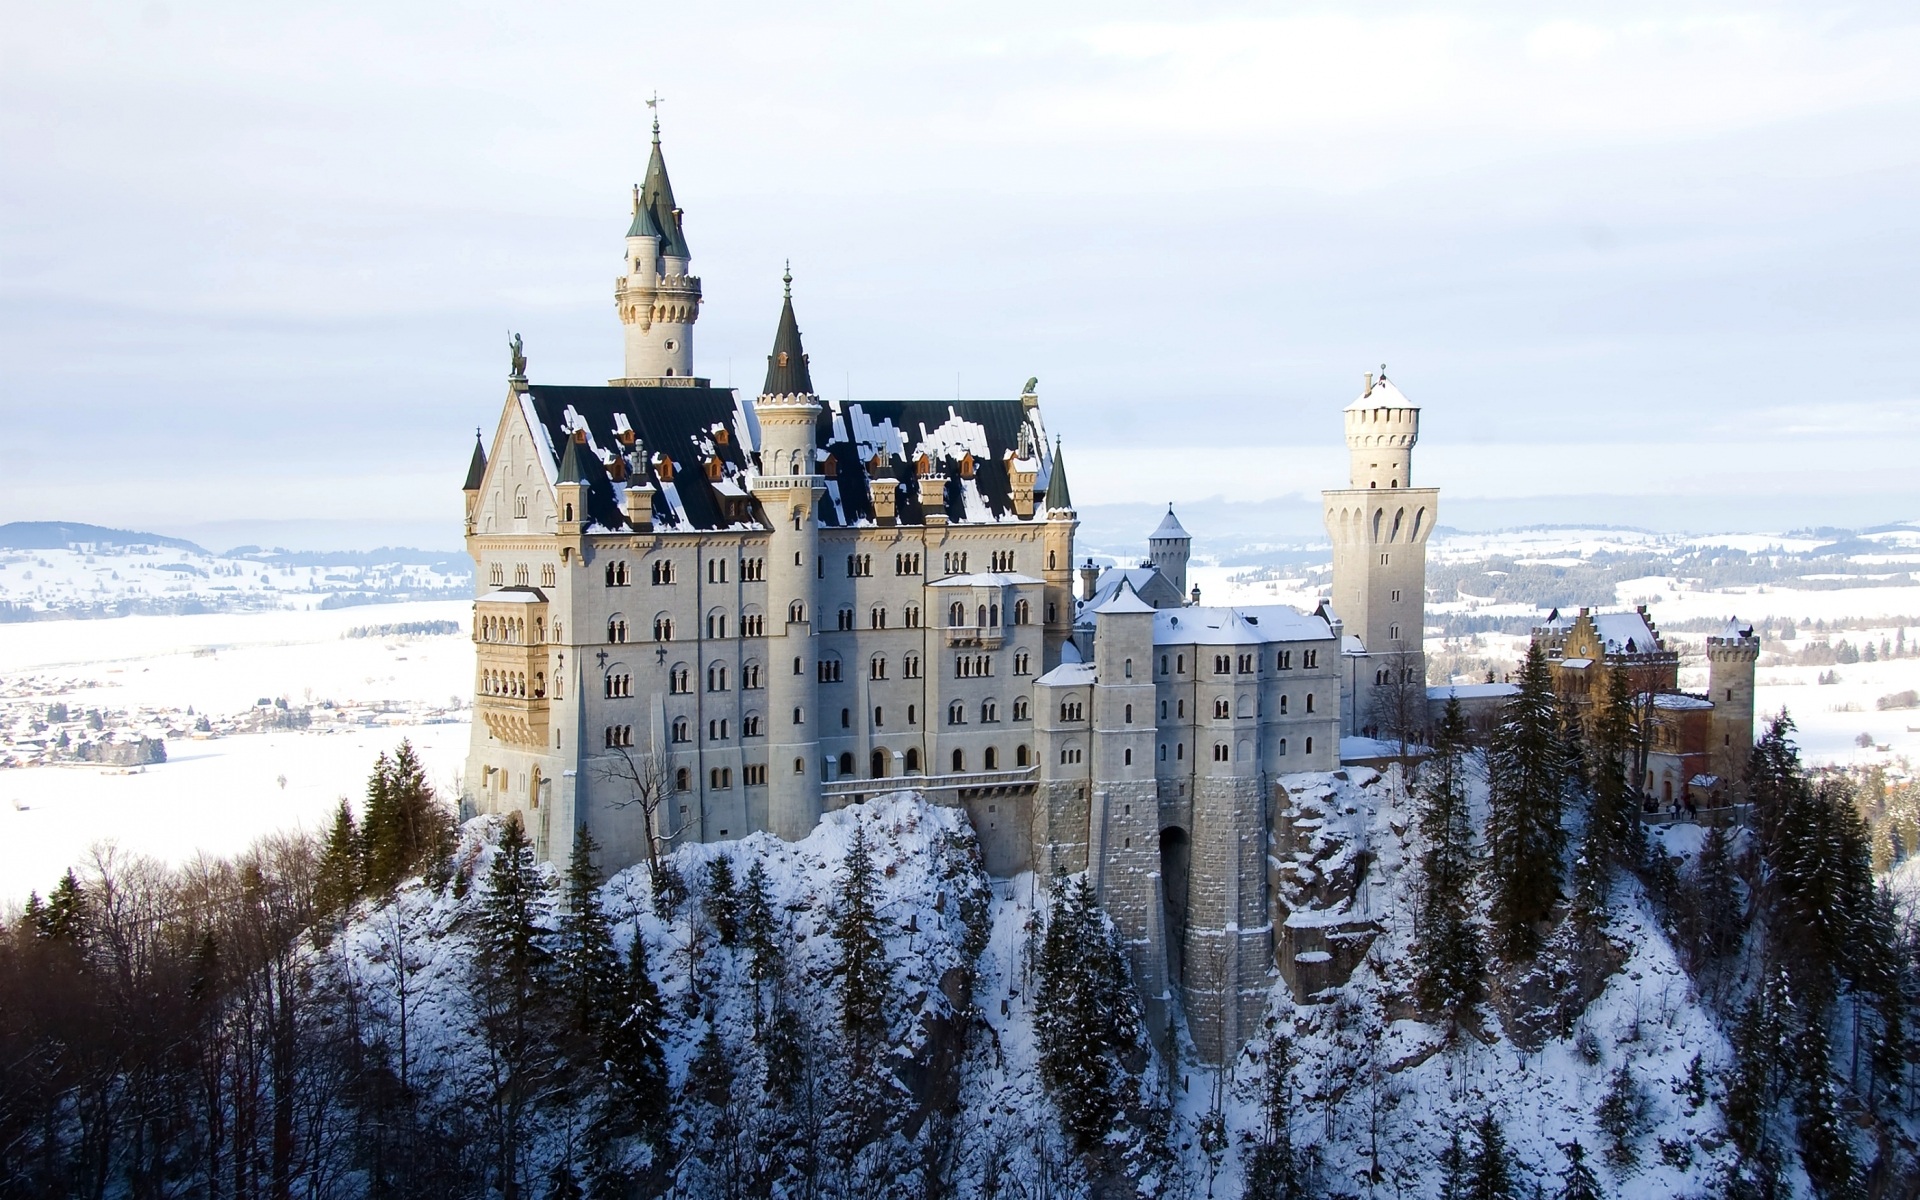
x: 648, y: 783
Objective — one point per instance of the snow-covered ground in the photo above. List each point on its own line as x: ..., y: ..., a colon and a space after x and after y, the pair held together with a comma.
x: 94, y: 578
x: 217, y: 794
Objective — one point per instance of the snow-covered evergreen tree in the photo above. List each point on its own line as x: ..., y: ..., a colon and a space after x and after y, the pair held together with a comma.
x: 1527, y: 779
x: 1490, y: 1174
x: 1448, y: 961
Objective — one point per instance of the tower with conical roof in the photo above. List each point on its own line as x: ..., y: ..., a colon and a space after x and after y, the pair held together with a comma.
x: 1379, y: 524
x: 1062, y: 520
x: 788, y: 486
x: 657, y: 295
x: 1168, y: 548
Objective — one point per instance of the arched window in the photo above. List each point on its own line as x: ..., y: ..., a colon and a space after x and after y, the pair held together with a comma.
x: 1022, y: 615
x: 982, y: 622
x: 877, y: 764
x: 1020, y: 756
x: 682, y: 731
x: 1020, y: 708
x: 716, y: 677
x: 913, y: 760
x: 616, y: 629
x: 662, y: 627
x: 877, y: 617
x: 1129, y: 714
x: 846, y: 764
x: 991, y: 759
x: 956, y: 614
x: 1309, y: 745
x: 682, y: 780
x: 717, y: 624
x: 957, y: 713
x: 796, y: 612
x: 877, y: 667
x: 959, y: 760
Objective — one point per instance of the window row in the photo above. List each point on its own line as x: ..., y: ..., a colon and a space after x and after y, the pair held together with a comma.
x: 1243, y: 663
x: 513, y: 685
x: 664, y: 571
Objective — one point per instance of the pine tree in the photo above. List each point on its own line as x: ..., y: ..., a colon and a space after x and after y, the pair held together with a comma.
x: 513, y: 982
x: 1714, y: 917
x: 379, y: 824
x: 588, y: 967
x: 1453, y: 1166
x: 1613, y: 824
x: 1273, y: 1169
x: 1825, y: 1148
x: 1883, y: 974
x: 1448, y: 961
x: 1490, y: 1169
x: 865, y: 975
x: 1527, y: 775
x: 404, y: 827
x: 1085, y: 1013
x: 630, y: 1046
x: 723, y: 902
x: 1578, y: 1182
x: 338, y: 882
x: 760, y: 931
x: 1622, y: 1117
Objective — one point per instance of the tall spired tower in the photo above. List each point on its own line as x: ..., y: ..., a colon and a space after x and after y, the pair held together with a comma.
x: 657, y: 296
x: 1379, y: 524
x: 789, y: 486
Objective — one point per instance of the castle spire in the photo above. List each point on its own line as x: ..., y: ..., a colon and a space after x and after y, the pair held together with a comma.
x: 787, y: 373
x: 656, y: 200
x: 1057, y: 494
x: 477, y: 468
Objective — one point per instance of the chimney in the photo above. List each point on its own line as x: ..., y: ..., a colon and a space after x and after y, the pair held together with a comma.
x: 933, y: 499
x: 1020, y: 476
x: 1196, y: 595
x: 1366, y: 384
x: 640, y: 506
x: 885, y: 490
x: 1089, y: 579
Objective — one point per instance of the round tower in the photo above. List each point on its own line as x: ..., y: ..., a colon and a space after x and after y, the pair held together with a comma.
x: 789, y: 488
x: 1379, y: 525
x: 1168, y: 549
x: 656, y: 295
x: 1731, y: 656
x: 1382, y: 427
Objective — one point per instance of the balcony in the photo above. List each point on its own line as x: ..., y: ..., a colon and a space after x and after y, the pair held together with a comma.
x: 989, y: 637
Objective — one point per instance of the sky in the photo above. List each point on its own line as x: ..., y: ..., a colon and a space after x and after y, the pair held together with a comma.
x: 1646, y: 264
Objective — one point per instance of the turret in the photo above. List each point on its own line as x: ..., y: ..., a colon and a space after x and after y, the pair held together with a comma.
x: 1382, y: 427
x: 656, y: 295
x: 476, y: 477
x: 1058, y: 540
x: 1731, y: 656
x: 789, y: 488
x: 1168, y: 549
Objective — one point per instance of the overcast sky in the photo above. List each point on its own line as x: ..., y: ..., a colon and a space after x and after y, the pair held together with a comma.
x: 1641, y: 263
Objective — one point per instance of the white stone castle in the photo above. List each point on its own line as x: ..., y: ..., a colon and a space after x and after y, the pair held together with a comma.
x: 699, y: 617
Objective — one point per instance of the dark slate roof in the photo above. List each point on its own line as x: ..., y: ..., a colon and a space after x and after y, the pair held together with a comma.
x: 917, y: 424
x: 676, y: 423
x: 679, y: 423
x: 656, y: 198
x: 643, y: 223
x: 477, y: 468
x: 787, y: 372
x: 1057, y: 495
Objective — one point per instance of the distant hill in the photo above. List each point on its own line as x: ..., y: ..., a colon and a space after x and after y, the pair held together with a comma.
x: 58, y: 535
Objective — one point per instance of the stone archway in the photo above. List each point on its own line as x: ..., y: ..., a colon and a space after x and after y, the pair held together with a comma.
x: 1176, y: 853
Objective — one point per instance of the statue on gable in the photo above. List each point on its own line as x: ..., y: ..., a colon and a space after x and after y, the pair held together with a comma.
x: 519, y: 357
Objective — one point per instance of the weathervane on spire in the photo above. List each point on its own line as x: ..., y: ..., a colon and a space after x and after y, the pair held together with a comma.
x: 786, y: 280
x: 654, y: 103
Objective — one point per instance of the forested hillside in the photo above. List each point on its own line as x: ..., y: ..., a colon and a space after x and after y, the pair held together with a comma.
x: 1535, y: 995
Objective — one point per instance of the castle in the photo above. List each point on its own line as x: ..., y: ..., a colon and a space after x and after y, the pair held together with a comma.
x: 700, y: 616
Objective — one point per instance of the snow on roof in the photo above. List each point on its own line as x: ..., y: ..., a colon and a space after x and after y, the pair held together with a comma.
x: 1576, y: 664
x: 1704, y: 781
x: 1170, y: 527
x: 1618, y: 629
x: 1210, y: 625
x: 1351, y: 644
x: 1473, y: 691
x: 1068, y: 674
x: 1125, y: 600
x: 1735, y: 630
x: 1679, y: 702
x: 985, y: 579
x: 1382, y: 395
